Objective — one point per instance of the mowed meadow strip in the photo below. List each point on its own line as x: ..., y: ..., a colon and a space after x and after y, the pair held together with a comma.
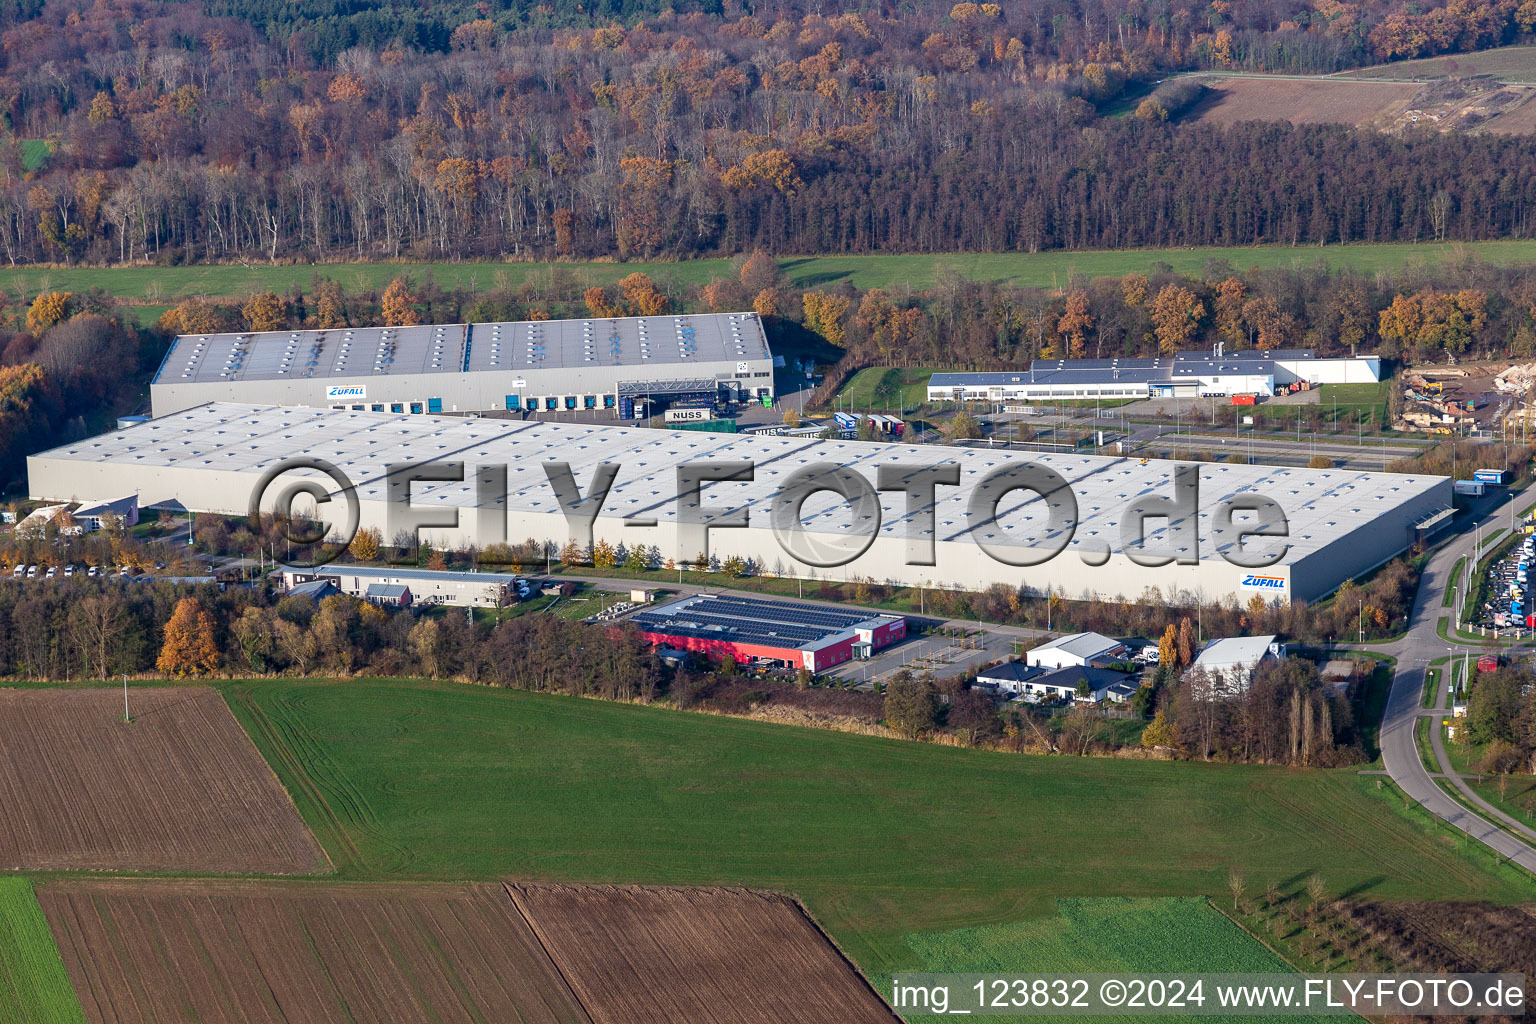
x: 33, y: 984
x: 164, y: 951
x: 178, y: 788
x: 704, y: 956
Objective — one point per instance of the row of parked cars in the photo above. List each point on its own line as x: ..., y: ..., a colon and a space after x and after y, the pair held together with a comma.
x: 1512, y: 605
x: 32, y: 572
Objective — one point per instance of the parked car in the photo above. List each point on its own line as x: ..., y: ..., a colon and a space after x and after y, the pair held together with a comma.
x: 31, y: 572
x: 91, y: 571
x: 69, y: 570
x: 53, y: 571
x: 20, y: 570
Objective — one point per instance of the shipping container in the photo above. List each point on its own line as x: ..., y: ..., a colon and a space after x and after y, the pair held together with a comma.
x: 1487, y: 663
x: 1243, y: 400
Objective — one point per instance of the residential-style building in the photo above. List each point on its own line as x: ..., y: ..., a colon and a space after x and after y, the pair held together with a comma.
x: 98, y: 515
x: 1033, y: 684
x: 388, y: 595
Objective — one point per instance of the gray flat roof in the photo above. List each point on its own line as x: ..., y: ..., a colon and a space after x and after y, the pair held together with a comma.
x: 390, y: 573
x: 360, y: 352
x: 1130, y: 370
x: 1320, y: 504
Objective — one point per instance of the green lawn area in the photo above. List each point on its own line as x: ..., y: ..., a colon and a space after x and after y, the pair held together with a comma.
x: 880, y: 838
x: 34, y: 987
x: 877, y: 388
x: 1337, y: 401
x: 1096, y: 936
x: 1513, y: 63
x: 1037, y: 270
x: 34, y: 152
x: 1516, y: 796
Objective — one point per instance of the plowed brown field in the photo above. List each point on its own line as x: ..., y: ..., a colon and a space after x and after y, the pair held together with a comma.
x: 180, y: 788
x: 269, y: 952
x: 701, y: 956
x: 151, y: 950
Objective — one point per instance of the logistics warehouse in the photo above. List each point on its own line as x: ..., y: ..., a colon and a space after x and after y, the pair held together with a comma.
x: 1340, y: 523
x: 755, y: 631
x: 1184, y: 375
x: 627, y: 366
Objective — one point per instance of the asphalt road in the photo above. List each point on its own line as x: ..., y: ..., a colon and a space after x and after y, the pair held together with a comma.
x: 1399, y: 751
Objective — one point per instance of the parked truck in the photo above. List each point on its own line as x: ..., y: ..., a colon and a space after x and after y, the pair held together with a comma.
x: 1497, y: 477
x: 1469, y: 488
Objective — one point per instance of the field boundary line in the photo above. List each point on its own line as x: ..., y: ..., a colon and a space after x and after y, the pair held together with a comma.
x: 302, y: 779
x: 538, y: 936
x: 810, y: 919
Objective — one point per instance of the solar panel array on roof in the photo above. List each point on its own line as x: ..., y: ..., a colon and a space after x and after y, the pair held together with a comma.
x: 360, y: 352
x: 745, y: 620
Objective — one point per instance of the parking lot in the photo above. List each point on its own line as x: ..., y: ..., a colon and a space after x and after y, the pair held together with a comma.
x: 1508, y: 601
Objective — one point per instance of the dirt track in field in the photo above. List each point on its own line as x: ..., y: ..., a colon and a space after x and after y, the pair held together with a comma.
x: 291, y: 952
x: 180, y: 788
x: 702, y: 956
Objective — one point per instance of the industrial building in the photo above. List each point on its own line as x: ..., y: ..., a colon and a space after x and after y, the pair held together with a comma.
x: 1184, y: 375
x: 1339, y: 523
x: 426, y: 586
x: 784, y: 634
x: 627, y: 365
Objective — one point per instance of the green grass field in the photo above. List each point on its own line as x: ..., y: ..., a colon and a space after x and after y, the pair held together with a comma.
x: 1336, y: 401
x: 161, y: 285
x: 878, y: 388
x: 34, y: 987
x: 881, y: 838
x: 1100, y: 936
x: 34, y: 153
x: 1510, y: 63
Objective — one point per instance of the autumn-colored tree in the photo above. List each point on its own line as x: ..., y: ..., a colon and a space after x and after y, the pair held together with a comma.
x: 825, y: 315
x: 193, y: 316
x: 598, y: 304
x: 437, y: 561
x: 758, y: 271
x: 1272, y: 326
x: 771, y: 168
x: 1176, y: 314
x: 1168, y: 647
x: 1186, y: 642
x: 565, y: 232
x: 1135, y: 288
x: 365, y: 546
x: 643, y: 224
x: 396, y: 306
x: 1319, y: 462
x: 330, y: 310
x: 48, y: 309
x: 963, y: 427
x: 604, y: 555
x: 1230, y: 296
x: 190, y: 647
x: 264, y: 311
x: 641, y: 296
x: 791, y: 417
x: 1160, y: 732
x: 769, y: 302
x: 1075, y: 323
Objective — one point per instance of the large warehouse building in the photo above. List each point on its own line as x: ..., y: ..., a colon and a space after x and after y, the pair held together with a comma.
x: 1185, y: 375
x: 1340, y: 523
x: 539, y: 366
x: 781, y: 633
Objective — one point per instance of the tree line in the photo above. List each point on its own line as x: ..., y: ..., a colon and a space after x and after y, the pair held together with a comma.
x: 177, y: 133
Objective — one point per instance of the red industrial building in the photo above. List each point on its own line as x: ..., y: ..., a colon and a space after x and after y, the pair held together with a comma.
x: 754, y: 631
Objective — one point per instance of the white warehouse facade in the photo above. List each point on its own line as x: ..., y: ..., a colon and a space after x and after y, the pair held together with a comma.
x: 1339, y: 523
x: 1184, y: 375
x: 539, y: 366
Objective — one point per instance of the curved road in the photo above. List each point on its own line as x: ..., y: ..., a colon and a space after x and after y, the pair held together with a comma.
x: 1399, y: 751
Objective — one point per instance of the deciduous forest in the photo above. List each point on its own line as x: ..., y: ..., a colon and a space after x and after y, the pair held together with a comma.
x: 186, y: 131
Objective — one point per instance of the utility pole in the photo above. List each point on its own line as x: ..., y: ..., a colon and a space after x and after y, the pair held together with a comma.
x: 126, y: 716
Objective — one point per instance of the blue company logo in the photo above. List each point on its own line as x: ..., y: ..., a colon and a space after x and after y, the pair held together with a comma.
x: 346, y: 391
x: 1254, y: 582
